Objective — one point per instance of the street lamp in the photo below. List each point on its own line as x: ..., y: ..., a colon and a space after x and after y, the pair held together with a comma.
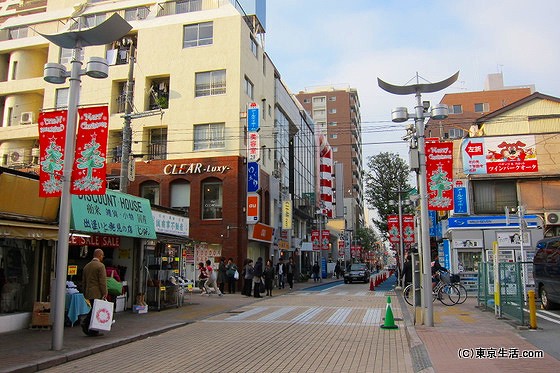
x: 400, y: 203
x: 400, y: 115
x: 112, y: 29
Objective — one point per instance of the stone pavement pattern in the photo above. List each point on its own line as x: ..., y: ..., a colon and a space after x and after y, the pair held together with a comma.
x: 309, y: 331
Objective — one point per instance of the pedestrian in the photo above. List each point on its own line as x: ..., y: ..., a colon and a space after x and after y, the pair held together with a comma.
x: 248, y: 272
x: 202, y: 277
x: 281, y: 270
x: 222, y: 277
x: 316, y: 270
x: 257, y: 277
x: 231, y: 269
x: 210, y: 284
x: 407, y: 271
x: 337, y: 270
x: 290, y: 271
x: 94, y: 282
x: 268, y: 275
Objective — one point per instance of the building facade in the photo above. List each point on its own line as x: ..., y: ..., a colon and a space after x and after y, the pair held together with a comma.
x: 198, y: 68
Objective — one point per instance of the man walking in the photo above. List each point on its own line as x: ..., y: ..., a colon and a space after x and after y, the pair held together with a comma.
x: 290, y: 271
x: 281, y: 270
x: 94, y: 282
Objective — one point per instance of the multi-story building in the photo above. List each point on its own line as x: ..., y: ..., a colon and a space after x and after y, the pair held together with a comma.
x: 337, y: 115
x: 466, y: 107
x: 199, y: 66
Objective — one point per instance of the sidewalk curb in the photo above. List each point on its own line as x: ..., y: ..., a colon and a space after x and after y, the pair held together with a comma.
x: 421, y: 362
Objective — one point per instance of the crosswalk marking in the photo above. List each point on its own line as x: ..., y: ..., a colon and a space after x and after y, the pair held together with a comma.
x: 372, y: 316
x: 339, y: 316
x: 333, y: 316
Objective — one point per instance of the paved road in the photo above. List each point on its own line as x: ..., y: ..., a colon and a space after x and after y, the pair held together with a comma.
x: 335, y: 329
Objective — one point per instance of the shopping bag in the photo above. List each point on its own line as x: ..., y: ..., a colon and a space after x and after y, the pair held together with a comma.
x: 101, y: 315
x: 113, y: 286
x: 236, y: 275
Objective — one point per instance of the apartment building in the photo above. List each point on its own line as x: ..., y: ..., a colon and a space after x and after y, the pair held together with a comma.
x: 198, y: 68
x: 337, y: 115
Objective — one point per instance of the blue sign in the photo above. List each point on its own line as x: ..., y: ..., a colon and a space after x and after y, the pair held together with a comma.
x: 446, y: 259
x: 433, y: 223
x: 460, y: 200
x: 499, y: 221
x: 253, y: 119
x: 252, y: 177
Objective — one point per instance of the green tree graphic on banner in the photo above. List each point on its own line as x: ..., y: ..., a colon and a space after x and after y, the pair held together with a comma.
x: 439, y: 182
x: 90, y: 159
x: 52, y: 163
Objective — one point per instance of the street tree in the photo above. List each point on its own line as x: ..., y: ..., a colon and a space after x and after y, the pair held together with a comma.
x: 387, y: 175
x: 369, y: 240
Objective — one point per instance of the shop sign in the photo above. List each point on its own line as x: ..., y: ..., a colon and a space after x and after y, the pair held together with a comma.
x: 262, y: 232
x: 254, y: 148
x: 467, y: 244
x: 252, y: 176
x: 72, y: 270
x: 253, y: 203
x: 171, y: 224
x: 113, y: 213
x: 95, y: 240
x: 287, y: 214
x: 194, y: 168
x: 253, y: 117
x: 283, y: 245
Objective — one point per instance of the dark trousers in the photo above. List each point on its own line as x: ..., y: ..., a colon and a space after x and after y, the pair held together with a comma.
x: 257, y: 290
x: 231, y: 285
x: 291, y: 280
x: 268, y: 286
x: 247, y: 286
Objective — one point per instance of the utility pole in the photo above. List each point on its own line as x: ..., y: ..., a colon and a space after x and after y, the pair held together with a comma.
x: 127, y: 130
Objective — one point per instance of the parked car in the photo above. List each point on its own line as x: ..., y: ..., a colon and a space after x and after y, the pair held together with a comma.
x: 546, y: 271
x: 357, y: 272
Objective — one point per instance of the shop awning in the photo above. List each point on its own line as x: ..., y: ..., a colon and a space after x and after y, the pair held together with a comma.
x: 28, y: 231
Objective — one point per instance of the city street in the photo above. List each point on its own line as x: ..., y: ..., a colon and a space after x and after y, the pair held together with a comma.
x: 330, y: 328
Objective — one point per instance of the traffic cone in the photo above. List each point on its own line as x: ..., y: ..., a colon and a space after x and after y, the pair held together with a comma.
x: 371, y: 285
x: 389, y: 319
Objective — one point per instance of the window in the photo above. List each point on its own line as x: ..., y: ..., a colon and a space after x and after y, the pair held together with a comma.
x: 332, y: 98
x: 456, y: 109
x: 186, y: 6
x: 456, y: 133
x: 482, y: 107
x: 212, y: 200
x: 249, y: 88
x: 88, y: 21
x: 18, y: 32
x: 332, y: 111
x: 150, y: 191
x: 333, y: 124
x: 335, y: 149
x: 134, y: 14
x: 306, y: 101
x: 333, y: 136
x: 14, y: 70
x: 209, y: 136
x: 319, y: 100
x: 319, y: 114
x: 253, y: 45
x: 181, y: 195
x: 61, y: 97
x: 159, y: 94
x: 198, y: 34
x: 210, y: 83
x: 491, y: 197
x: 66, y: 55
x: 157, y: 147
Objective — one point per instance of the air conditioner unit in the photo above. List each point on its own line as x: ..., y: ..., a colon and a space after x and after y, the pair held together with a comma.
x: 26, y: 117
x: 35, y: 152
x: 552, y: 218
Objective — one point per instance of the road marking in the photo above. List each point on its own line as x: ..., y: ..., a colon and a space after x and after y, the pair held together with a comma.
x: 247, y: 314
x: 308, y: 314
x: 277, y: 314
x: 339, y: 316
x: 372, y: 316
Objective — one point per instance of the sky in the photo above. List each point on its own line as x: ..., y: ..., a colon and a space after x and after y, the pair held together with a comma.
x: 351, y: 43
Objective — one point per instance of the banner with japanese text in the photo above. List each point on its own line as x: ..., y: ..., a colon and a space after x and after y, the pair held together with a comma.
x: 316, y: 239
x: 356, y: 251
x: 89, y: 170
x: 498, y: 155
x: 393, y: 228
x: 439, y: 175
x: 52, y: 138
x: 325, y: 239
x: 408, y: 228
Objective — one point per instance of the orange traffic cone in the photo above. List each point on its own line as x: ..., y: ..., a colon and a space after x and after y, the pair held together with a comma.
x: 371, y: 285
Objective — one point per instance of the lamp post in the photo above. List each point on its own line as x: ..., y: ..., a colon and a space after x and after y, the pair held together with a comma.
x: 400, y: 204
x: 112, y: 29
x: 400, y: 115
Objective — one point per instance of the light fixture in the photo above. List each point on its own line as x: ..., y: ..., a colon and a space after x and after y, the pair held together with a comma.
x: 97, y: 67
x: 440, y: 112
x: 399, y: 115
x: 55, y: 73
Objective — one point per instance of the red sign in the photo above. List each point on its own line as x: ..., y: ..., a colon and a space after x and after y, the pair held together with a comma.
x: 439, y: 175
x: 52, y: 138
x: 316, y: 239
x: 253, y: 201
x: 356, y: 251
x: 473, y: 149
x: 393, y: 228
x: 89, y: 171
x: 408, y: 228
x: 325, y: 239
x: 262, y: 232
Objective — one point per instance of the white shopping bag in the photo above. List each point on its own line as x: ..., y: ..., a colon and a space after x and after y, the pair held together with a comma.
x: 101, y: 315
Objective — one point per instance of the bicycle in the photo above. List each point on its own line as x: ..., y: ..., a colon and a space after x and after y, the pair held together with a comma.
x: 455, y: 280
x: 444, y: 291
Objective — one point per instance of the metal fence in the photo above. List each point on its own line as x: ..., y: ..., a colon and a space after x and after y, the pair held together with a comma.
x: 512, y: 300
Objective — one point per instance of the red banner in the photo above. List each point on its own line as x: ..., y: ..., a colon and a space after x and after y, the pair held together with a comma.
x: 325, y: 239
x: 52, y: 138
x: 316, y: 240
x: 439, y: 175
x: 393, y: 228
x: 89, y: 171
x: 356, y: 251
x: 408, y: 228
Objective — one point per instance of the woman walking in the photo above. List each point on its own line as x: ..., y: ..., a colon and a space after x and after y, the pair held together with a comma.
x: 248, y: 277
x: 268, y: 277
x: 257, y: 278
